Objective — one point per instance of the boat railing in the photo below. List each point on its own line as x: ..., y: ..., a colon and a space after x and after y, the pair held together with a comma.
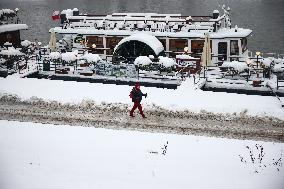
x: 164, y: 21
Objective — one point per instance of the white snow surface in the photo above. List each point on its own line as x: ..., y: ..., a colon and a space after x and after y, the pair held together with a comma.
x: 26, y: 43
x: 186, y: 97
x: 278, y: 68
x: 91, y: 58
x: 222, y: 33
x: 148, y: 39
x: 68, y: 12
x: 239, y: 66
x: 267, y: 61
x: 69, y: 56
x: 142, y: 60
x: 45, y: 156
x: 11, y: 51
x: 54, y: 55
x: 12, y: 27
x: 184, y: 56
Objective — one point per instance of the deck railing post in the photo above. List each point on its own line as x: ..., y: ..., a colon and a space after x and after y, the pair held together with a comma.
x: 138, y: 71
x: 277, y: 87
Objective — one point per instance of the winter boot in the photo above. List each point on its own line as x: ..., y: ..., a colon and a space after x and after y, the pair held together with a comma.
x: 131, y: 115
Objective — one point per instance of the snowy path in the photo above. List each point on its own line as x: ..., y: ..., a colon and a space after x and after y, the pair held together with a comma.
x: 115, y: 116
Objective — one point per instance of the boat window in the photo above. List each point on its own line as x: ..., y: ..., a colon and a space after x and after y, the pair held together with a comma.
x: 111, y: 42
x: 177, y: 45
x: 244, y: 42
x: 163, y: 41
x: 98, y: 41
x: 222, y: 51
x: 197, y: 47
x: 94, y: 40
x: 234, y: 47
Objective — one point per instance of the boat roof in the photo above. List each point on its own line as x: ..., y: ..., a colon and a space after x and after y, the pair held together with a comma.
x: 12, y: 27
x: 155, y: 24
x: 222, y: 33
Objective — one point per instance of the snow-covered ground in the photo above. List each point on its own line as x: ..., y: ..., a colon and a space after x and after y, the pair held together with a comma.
x: 186, y: 97
x: 36, y: 156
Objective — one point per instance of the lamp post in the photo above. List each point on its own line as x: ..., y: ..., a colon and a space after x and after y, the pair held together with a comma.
x: 77, y: 55
x: 257, y: 55
x: 17, y: 10
x: 94, y: 46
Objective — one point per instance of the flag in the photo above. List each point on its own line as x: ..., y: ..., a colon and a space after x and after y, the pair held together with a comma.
x: 56, y: 15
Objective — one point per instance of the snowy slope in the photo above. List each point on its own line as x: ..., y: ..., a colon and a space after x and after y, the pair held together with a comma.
x: 36, y: 156
x: 185, y: 97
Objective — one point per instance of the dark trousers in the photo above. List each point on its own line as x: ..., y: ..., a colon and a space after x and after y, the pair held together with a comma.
x: 135, y: 106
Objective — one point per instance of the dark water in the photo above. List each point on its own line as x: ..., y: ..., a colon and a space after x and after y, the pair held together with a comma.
x: 264, y: 17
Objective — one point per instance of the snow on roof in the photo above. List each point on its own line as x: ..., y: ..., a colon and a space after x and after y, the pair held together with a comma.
x: 166, y: 62
x: 11, y: 51
x: 68, y: 12
x: 142, y: 60
x: 91, y: 58
x: 25, y: 43
x: 215, y: 11
x: 221, y: 33
x: 8, y: 44
x: 227, y: 33
x: 150, y: 40
x: 239, y: 66
x: 69, y: 56
x: 12, y: 27
x: 54, y: 55
x: 143, y: 14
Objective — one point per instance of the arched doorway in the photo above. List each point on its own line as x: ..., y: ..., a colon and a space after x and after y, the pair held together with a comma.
x: 129, y: 48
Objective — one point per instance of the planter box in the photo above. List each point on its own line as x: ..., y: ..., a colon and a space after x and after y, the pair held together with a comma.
x: 84, y: 65
x: 256, y: 83
x: 86, y: 73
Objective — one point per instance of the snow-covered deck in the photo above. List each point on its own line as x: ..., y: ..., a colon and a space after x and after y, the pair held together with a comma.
x: 217, y: 80
x: 160, y: 82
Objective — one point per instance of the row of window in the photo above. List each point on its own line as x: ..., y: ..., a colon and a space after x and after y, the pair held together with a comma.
x: 175, y: 45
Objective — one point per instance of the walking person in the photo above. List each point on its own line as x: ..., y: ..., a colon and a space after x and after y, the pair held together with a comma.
x: 136, y: 96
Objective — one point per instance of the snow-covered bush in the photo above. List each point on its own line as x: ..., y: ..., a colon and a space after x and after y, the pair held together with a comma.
x: 26, y: 43
x: 69, y: 56
x: 142, y: 61
x: 54, y: 55
x: 11, y: 51
x: 91, y: 58
x: 166, y: 62
x: 267, y: 62
x: 278, y: 68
